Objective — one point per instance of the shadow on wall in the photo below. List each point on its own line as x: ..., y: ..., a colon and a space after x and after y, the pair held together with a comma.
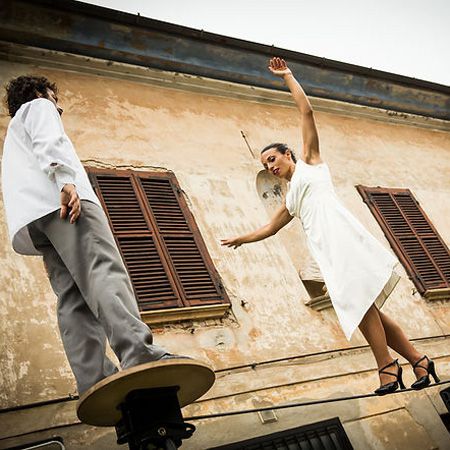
x: 272, y: 192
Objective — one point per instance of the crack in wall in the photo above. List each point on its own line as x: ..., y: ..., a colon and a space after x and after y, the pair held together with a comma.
x: 105, y: 165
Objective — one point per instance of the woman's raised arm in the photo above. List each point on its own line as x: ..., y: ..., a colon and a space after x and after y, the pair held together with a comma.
x: 311, y: 152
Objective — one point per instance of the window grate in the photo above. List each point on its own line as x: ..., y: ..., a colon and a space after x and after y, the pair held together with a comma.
x: 325, y: 435
x: 445, y: 395
x: 55, y: 443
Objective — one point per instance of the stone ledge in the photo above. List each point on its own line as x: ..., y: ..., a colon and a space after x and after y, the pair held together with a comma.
x: 165, y: 316
x: 39, y: 57
x: 437, y: 294
x: 319, y: 303
x: 308, y: 378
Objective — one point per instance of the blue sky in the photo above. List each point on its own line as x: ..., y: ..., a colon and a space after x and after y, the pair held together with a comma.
x: 408, y: 37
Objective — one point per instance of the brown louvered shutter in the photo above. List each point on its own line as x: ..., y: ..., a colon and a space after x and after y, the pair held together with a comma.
x: 413, y: 237
x: 161, y: 246
x: 180, y: 237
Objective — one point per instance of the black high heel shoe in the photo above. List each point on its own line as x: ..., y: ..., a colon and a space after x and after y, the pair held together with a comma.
x: 394, y: 385
x: 424, y: 381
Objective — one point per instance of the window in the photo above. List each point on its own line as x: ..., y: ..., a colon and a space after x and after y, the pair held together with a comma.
x: 445, y: 395
x: 413, y: 237
x: 329, y: 434
x: 163, y: 251
x: 55, y: 443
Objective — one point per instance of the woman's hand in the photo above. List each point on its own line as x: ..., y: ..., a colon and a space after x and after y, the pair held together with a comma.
x: 279, y: 67
x: 234, y: 242
x: 311, y: 152
x: 279, y: 220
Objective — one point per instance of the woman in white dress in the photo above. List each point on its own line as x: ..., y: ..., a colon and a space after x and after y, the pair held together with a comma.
x: 358, y: 271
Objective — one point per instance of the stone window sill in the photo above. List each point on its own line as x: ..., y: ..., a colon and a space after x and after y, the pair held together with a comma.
x: 165, y: 316
x: 320, y: 302
x: 437, y: 294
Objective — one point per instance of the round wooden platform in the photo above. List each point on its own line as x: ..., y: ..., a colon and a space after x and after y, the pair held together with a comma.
x: 99, y: 404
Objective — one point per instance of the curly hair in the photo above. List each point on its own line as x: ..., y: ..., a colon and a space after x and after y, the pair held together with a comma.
x: 25, y: 88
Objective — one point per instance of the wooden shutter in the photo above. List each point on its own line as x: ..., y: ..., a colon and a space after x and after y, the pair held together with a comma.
x: 160, y: 244
x: 413, y: 237
x: 185, y: 249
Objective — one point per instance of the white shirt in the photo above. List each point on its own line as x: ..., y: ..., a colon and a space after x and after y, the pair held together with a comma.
x: 38, y: 160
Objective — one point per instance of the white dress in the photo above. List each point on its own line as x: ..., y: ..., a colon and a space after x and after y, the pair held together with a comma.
x: 358, y: 271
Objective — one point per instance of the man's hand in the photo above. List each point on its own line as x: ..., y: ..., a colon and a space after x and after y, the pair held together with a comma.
x: 70, y: 200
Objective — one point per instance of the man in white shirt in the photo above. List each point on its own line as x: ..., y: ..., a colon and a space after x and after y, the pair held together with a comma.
x: 52, y: 210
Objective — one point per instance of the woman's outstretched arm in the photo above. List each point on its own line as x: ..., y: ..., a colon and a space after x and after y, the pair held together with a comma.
x: 311, y: 152
x: 279, y: 220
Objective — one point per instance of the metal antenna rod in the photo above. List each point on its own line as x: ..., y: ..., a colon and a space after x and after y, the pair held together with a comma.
x: 248, y: 145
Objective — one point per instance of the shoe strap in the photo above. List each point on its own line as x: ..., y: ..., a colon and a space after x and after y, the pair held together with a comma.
x: 388, y: 373
x: 393, y: 363
x: 416, y: 364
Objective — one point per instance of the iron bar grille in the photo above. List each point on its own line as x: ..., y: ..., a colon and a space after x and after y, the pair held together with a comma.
x: 445, y: 395
x: 54, y: 443
x: 325, y: 435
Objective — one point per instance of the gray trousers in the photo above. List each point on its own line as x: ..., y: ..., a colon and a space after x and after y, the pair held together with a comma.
x: 95, y: 298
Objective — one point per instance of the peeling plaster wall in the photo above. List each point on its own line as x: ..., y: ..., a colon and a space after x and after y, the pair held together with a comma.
x: 122, y: 123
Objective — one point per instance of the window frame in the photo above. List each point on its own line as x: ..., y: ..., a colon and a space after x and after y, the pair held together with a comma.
x: 367, y: 193
x: 41, y: 444
x: 185, y: 308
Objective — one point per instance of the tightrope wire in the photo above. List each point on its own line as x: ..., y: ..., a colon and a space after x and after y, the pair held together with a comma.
x: 296, y: 405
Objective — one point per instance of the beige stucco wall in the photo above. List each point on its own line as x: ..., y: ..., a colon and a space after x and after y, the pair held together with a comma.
x: 124, y: 122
